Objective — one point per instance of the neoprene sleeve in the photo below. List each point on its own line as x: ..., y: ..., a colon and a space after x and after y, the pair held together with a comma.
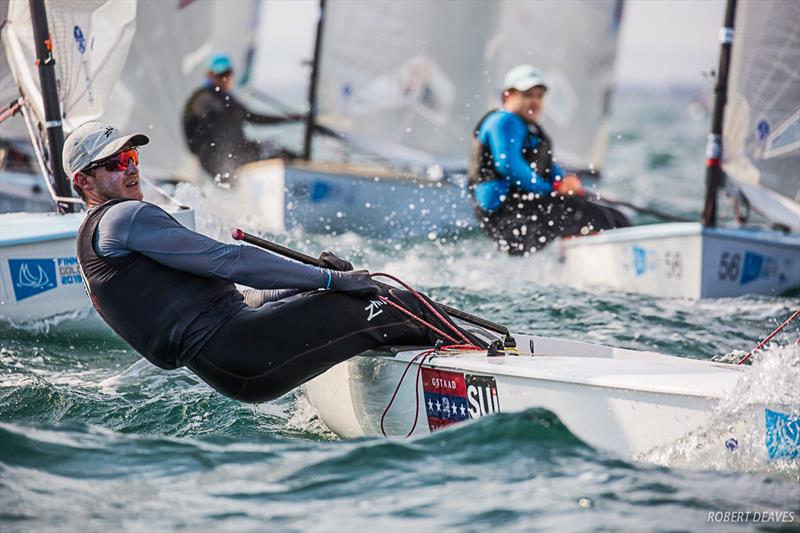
x: 145, y: 228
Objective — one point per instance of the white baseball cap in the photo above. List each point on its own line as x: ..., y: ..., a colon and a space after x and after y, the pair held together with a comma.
x: 523, y: 77
x: 95, y: 141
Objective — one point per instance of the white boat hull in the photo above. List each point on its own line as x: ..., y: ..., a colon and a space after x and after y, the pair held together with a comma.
x: 684, y: 260
x: 620, y: 400
x: 335, y: 198
x: 40, y: 283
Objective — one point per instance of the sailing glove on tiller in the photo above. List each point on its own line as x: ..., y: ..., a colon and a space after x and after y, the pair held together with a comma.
x: 355, y: 282
x: 334, y: 262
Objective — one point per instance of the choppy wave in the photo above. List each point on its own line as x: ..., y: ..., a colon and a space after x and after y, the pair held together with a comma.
x: 92, y: 438
x: 509, y: 471
x: 734, y: 439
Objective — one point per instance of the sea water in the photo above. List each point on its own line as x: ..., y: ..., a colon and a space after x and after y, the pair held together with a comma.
x: 93, y: 438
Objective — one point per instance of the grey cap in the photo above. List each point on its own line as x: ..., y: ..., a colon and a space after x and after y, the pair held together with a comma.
x: 95, y: 141
x: 523, y: 77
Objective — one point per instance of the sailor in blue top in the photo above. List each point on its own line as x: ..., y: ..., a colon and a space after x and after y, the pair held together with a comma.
x: 523, y: 197
x: 171, y: 293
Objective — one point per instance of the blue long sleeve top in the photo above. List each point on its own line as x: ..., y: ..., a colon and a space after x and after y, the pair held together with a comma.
x: 147, y: 229
x: 506, y: 134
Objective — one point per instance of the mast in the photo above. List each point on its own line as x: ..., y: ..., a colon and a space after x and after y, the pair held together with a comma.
x: 312, y: 86
x: 714, y: 146
x: 52, y: 110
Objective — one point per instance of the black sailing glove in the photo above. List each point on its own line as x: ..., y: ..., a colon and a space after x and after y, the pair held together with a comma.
x: 334, y: 262
x: 355, y: 282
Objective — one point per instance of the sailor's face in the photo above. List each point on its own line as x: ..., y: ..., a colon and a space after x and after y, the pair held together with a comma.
x: 110, y: 185
x: 224, y: 81
x: 527, y: 104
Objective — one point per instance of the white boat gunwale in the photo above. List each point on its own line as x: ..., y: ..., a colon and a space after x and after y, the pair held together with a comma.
x: 516, y: 365
x: 682, y: 229
x: 34, y: 240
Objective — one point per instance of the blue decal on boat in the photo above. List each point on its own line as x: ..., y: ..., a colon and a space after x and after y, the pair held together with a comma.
x: 782, y: 435
x: 752, y: 267
x: 639, y: 260
x: 32, y: 276
x: 319, y: 191
x: 79, y: 39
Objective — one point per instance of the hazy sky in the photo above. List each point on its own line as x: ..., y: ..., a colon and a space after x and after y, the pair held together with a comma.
x: 661, y: 41
x: 668, y: 41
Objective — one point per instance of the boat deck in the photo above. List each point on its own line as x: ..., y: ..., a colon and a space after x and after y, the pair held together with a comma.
x: 653, y: 373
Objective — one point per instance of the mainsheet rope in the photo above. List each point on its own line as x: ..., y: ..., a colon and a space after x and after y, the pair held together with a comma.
x: 770, y: 336
x: 427, y: 304
x: 421, y: 357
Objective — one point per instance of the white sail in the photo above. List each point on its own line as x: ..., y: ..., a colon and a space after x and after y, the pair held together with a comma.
x: 574, y: 42
x: 11, y: 128
x: 407, y: 75
x: 90, y: 40
x: 167, y: 62
x: 761, y: 145
x: 418, y: 75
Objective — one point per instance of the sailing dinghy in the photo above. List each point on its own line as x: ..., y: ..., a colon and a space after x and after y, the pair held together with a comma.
x: 410, y: 109
x: 761, y: 134
x: 625, y: 401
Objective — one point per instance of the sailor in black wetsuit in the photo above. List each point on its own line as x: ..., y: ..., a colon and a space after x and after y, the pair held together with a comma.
x: 213, y: 120
x: 523, y: 198
x: 170, y: 293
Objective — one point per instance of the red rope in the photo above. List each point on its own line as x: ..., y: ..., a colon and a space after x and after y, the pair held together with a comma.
x: 422, y: 356
x: 426, y: 304
x: 418, y: 319
x: 425, y: 355
x: 769, y: 338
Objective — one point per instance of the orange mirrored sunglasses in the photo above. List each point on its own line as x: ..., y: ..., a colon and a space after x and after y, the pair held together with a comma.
x: 117, y: 162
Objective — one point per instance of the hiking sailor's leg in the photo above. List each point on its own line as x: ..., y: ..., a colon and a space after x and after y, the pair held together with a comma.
x: 263, y: 353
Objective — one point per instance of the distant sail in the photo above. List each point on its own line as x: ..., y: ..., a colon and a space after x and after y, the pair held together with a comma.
x: 575, y: 44
x: 12, y: 128
x: 90, y: 44
x: 761, y: 145
x: 408, y: 76
x: 167, y: 62
x: 413, y: 78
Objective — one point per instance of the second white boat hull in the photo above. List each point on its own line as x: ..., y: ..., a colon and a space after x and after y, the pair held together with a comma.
x: 684, y: 260
x: 335, y: 198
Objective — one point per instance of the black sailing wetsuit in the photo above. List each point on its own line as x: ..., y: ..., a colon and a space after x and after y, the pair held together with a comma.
x: 212, y: 124
x: 512, y: 174
x: 170, y: 293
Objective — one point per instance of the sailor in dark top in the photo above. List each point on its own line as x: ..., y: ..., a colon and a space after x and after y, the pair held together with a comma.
x: 170, y: 293
x: 523, y: 198
x: 213, y: 120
